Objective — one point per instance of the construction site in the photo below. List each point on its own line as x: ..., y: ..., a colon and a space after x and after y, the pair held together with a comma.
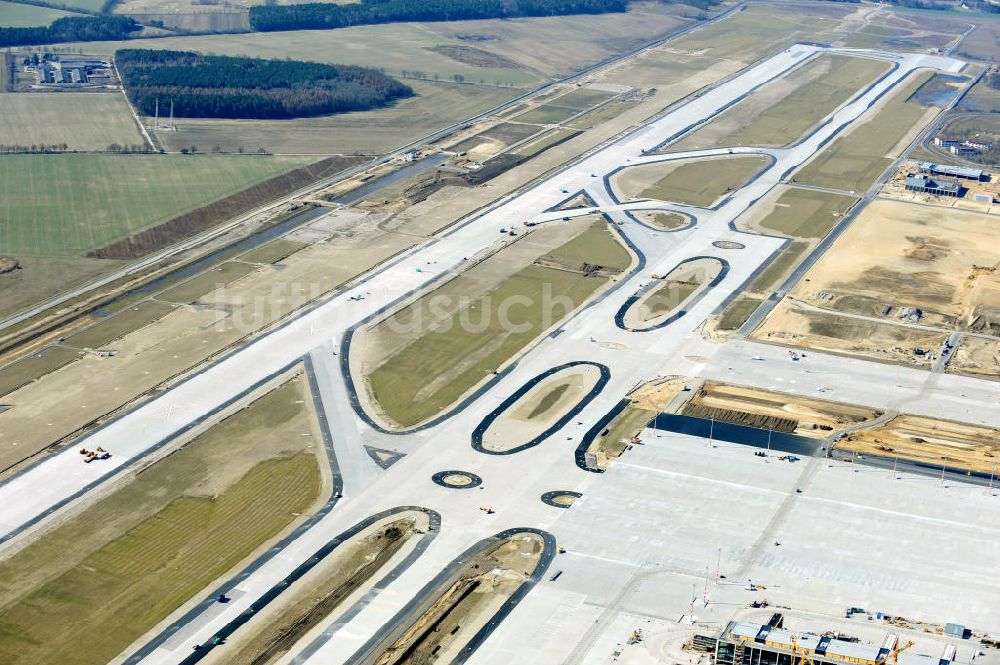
x: 904, y: 284
x: 958, y: 187
x: 748, y: 643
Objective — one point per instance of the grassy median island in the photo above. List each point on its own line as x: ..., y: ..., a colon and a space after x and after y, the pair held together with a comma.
x: 698, y: 182
x: 85, y: 590
x: 491, y: 313
x: 856, y: 159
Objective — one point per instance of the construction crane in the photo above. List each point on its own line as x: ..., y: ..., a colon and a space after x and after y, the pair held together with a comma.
x: 892, y: 658
x: 803, y: 654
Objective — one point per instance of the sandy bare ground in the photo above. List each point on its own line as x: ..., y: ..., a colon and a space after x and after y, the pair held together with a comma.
x: 790, y: 325
x: 930, y: 441
x: 908, y: 274
x: 645, y: 402
x: 976, y: 356
x: 540, y: 408
x: 464, y: 604
x: 813, y: 417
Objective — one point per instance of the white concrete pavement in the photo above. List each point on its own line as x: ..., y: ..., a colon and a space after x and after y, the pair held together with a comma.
x: 512, y: 484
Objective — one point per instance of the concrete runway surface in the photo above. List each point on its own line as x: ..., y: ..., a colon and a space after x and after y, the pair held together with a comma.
x: 647, y: 530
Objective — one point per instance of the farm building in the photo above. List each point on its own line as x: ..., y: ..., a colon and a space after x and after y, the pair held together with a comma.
x: 955, y: 171
x: 923, y: 184
x: 755, y: 644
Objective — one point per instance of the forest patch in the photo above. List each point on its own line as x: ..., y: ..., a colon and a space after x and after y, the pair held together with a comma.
x: 211, y: 86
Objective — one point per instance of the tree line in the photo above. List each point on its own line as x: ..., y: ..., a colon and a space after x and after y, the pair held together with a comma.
x: 324, y: 15
x: 71, y: 29
x: 201, y: 86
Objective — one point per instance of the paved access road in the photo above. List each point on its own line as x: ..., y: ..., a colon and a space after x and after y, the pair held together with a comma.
x: 513, y: 484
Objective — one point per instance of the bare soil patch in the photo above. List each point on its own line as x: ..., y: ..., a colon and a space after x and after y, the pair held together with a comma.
x: 319, y: 596
x: 930, y: 441
x: 644, y: 403
x: 437, y: 631
x: 470, y: 55
x: 675, y: 290
x: 779, y: 411
x: 901, y: 276
x: 976, y: 356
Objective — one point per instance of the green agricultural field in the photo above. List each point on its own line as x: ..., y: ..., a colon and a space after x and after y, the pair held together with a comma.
x: 17, y: 15
x: 775, y: 116
x: 703, y: 182
x: 436, y: 368
x: 547, y: 114
x: 805, y: 213
x: 565, y: 107
x: 65, y: 205
x: 583, y: 98
x: 102, y: 578
x: 81, y: 120
x: 853, y: 162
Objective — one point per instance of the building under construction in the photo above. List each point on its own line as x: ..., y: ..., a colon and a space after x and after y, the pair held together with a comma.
x: 770, y: 644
